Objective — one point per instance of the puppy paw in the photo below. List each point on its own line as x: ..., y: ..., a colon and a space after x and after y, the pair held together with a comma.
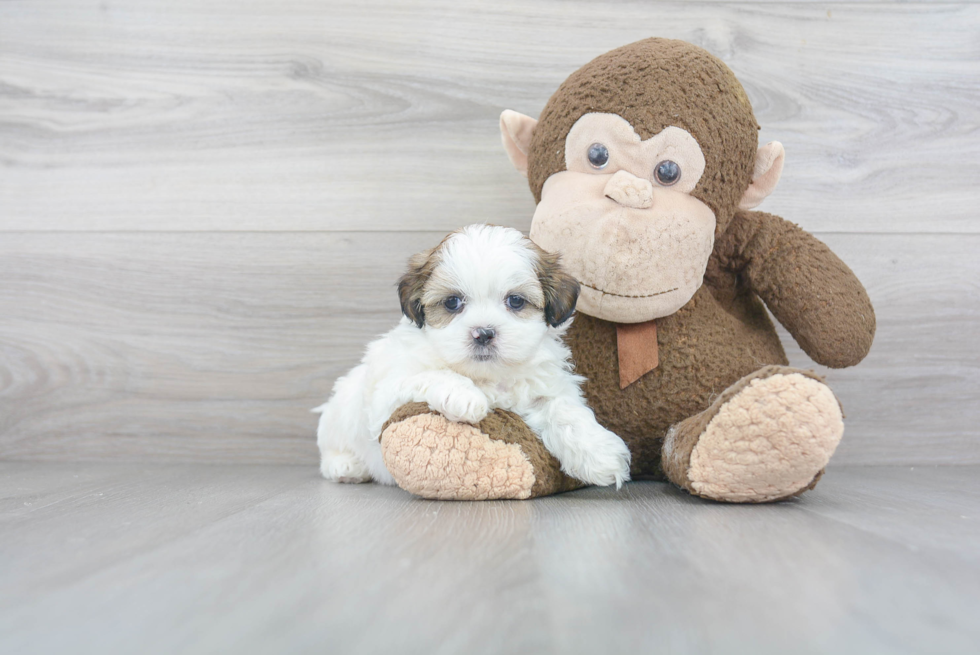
x: 462, y: 404
x: 342, y: 466
x: 604, y: 460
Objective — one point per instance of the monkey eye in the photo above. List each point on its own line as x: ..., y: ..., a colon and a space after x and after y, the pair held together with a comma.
x: 516, y: 302
x: 667, y: 172
x: 453, y: 303
x: 598, y: 155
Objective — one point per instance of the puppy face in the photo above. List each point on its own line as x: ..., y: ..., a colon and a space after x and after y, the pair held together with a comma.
x: 486, y: 296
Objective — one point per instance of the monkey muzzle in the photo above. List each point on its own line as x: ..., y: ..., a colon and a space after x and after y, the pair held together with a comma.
x: 629, y: 190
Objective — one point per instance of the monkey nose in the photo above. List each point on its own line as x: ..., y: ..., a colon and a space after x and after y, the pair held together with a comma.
x: 629, y: 190
x: 482, y: 336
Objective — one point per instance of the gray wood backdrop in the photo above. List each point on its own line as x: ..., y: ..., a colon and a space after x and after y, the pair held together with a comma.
x: 204, y: 205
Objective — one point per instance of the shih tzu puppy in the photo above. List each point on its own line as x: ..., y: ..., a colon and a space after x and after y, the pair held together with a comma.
x: 484, y: 314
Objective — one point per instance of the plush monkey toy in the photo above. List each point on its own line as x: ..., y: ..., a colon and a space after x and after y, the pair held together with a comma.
x: 645, y: 165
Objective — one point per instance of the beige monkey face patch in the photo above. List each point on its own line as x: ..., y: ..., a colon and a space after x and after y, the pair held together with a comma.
x: 625, y: 151
x: 624, y: 221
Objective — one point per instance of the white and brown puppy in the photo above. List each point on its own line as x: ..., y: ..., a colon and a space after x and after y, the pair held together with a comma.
x: 484, y: 315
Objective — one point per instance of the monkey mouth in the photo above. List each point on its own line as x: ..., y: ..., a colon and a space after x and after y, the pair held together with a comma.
x: 623, y: 295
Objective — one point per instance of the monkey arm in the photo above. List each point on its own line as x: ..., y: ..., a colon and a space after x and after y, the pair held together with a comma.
x: 805, y: 285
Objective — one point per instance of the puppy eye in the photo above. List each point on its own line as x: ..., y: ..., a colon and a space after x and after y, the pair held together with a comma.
x: 452, y: 303
x: 515, y: 302
x: 598, y: 155
x: 667, y: 172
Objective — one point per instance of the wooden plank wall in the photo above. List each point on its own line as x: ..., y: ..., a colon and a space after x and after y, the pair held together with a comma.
x: 204, y: 206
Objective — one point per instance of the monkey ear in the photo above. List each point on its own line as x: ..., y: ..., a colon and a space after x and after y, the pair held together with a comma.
x: 412, y: 284
x: 560, y: 289
x: 768, y: 168
x: 515, y: 131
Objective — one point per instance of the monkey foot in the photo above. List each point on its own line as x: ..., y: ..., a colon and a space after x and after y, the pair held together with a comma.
x: 499, y: 458
x: 768, y: 437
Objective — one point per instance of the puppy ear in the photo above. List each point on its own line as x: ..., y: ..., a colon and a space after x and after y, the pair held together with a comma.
x: 412, y: 284
x: 560, y: 289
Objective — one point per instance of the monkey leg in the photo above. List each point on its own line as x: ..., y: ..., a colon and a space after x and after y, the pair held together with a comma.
x: 499, y: 457
x: 766, y: 438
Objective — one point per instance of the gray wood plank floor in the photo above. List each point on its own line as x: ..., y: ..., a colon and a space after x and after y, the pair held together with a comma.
x: 203, y: 209
x: 113, y: 558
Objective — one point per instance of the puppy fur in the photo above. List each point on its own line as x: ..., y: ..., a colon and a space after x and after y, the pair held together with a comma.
x: 484, y: 314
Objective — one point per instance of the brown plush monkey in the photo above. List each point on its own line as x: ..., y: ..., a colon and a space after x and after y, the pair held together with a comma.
x: 645, y: 165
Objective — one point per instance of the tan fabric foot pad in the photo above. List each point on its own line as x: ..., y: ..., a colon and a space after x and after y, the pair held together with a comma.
x: 432, y: 457
x: 767, y: 442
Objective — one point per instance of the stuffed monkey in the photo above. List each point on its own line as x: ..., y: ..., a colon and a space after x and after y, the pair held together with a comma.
x: 645, y: 165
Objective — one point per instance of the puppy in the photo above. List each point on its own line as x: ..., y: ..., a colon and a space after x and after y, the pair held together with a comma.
x: 484, y: 314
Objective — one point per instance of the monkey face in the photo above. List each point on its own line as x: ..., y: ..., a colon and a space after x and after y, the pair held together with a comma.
x: 623, y: 219
x: 640, y: 159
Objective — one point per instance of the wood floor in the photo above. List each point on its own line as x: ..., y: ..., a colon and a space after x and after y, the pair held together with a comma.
x: 204, y: 208
x: 181, y: 558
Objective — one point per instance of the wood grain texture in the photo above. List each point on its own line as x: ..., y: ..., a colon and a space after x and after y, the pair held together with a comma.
x: 328, y: 115
x: 186, y: 346
x: 208, y: 559
x: 203, y: 207
x: 213, y: 346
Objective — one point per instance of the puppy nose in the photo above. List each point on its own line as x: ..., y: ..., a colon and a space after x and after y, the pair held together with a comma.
x: 483, y: 335
x: 629, y: 190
